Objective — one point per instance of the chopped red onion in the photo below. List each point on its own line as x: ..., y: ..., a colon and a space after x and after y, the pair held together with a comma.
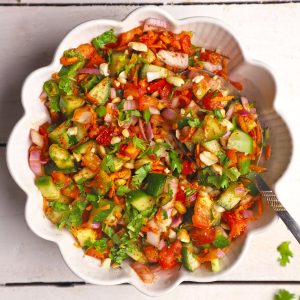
x: 193, y: 197
x: 227, y: 134
x: 174, y: 59
x: 113, y: 93
x: 153, y: 238
x: 243, y: 112
x: 230, y: 111
x: 35, y: 162
x: 149, y: 132
x: 169, y: 114
x: 162, y: 244
x: 247, y: 214
x: 175, y: 102
x: 141, y: 126
x: 176, y: 220
x: 239, y: 190
x: 88, y: 71
x: 192, y: 74
x: 36, y: 138
x: 130, y: 105
x: 245, y: 103
x: 154, y: 24
x: 211, y: 67
x: 43, y: 96
x: 108, y: 118
x: 154, y: 110
x: 143, y: 272
x: 96, y: 225
x: 220, y: 253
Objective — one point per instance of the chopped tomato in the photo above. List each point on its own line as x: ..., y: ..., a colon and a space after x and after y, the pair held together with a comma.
x: 71, y: 191
x: 188, y: 168
x: 169, y: 255
x: 202, y: 236
x: 186, y: 44
x: 129, y: 151
x: 105, y: 135
x: 237, y: 225
x: 145, y: 102
x: 185, y: 98
x: 151, y: 253
x: 202, y: 211
x: 231, y: 154
x: 86, y: 50
x: 209, y: 103
x: 95, y: 60
x: 95, y: 253
x: 180, y: 195
x: 61, y: 179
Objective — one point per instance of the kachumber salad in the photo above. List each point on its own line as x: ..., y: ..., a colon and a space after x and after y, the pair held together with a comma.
x: 108, y: 165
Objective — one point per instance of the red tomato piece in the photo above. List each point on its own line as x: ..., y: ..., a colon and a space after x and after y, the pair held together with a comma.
x: 105, y: 135
x: 202, y: 211
x: 202, y: 236
x: 180, y: 195
x: 188, y: 168
x: 209, y: 103
x: 169, y: 255
x: 151, y: 253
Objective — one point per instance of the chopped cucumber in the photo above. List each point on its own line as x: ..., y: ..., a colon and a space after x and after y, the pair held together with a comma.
x: 99, y: 94
x: 83, y: 175
x: 148, y: 57
x: 230, y: 198
x: 155, y: 184
x: 54, y: 216
x: 221, y: 240
x: 215, y: 265
x: 189, y: 259
x: 69, y: 103
x: 118, y: 61
x: 200, y: 89
x: 85, y: 147
x: 71, y: 70
x: 47, y: 187
x: 163, y: 72
x: 59, y: 136
x: 212, y: 146
x: 140, y: 200
x: 89, y: 82
x: 212, y: 129
x: 240, y: 141
x: 135, y: 253
x: 62, y: 158
x: 244, y: 166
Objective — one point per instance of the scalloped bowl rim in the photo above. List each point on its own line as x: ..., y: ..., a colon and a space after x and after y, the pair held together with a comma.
x: 55, y: 63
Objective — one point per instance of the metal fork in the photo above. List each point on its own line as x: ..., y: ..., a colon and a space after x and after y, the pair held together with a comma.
x: 261, y: 185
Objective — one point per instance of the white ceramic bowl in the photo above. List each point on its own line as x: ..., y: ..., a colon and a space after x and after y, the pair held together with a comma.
x: 208, y: 32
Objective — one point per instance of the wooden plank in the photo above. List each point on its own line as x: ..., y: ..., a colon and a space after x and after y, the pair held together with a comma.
x: 39, y: 29
x: 188, y: 291
x: 32, y: 259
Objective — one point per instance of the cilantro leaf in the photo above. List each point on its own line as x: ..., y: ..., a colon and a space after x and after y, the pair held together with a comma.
x: 122, y: 190
x: 65, y: 84
x: 194, y: 122
x: 189, y: 192
x: 138, y: 143
x: 285, y: 253
x: 224, y: 159
x: 119, y: 252
x: 283, y: 294
x: 140, y: 175
x: 58, y: 206
x: 135, y: 225
x: 108, y: 164
x: 217, y: 112
x: 146, y: 115
x: 233, y: 174
x: 176, y: 165
x: 104, y: 39
x: 100, y: 245
x: 107, y: 207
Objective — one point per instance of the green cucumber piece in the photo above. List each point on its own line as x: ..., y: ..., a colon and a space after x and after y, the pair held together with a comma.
x: 212, y: 129
x: 229, y: 198
x: 189, y: 259
x: 148, y: 57
x: 240, y: 141
x: 71, y: 70
x: 118, y: 61
x: 215, y: 265
x: 221, y: 240
x: 69, y: 103
x: 47, y: 187
x: 212, y: 146
x: 89, y: 82
x: 136, y: 254
x: 59, y: 136
x: 83, y: 175
x: 244, y: 166
x: 140, y: 200
x: 164, y: 73
x: 155, y: 184
x: 100, y: 92
x: 85, y: 147
x: 62, y: 158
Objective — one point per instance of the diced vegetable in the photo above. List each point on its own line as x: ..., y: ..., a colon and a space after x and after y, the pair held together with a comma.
x: 118, y: 61
x: 135, y: 253
x: 89, y: 82
x: 85, y: 147
x: 212, y: 146
x: 215, y: 265
x: 189, y: 259
x: 47, y: 187
x: 232, y: 196
x: 99, y: 94
x: 83, y: 175
x: 59, y: 135
x: 240, y: 141
x: 160, y: 71
x: 68, y: 104
x: 155, y: 184
x: 140, y: 200
x: 62, y: 158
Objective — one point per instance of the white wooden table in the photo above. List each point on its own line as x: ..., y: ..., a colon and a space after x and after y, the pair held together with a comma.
x: 32, y: 268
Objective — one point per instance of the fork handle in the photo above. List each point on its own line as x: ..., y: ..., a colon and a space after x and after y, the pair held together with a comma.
x: 282, y: 213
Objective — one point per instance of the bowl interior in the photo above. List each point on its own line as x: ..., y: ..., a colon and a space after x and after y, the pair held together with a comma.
x: 259, y: 86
